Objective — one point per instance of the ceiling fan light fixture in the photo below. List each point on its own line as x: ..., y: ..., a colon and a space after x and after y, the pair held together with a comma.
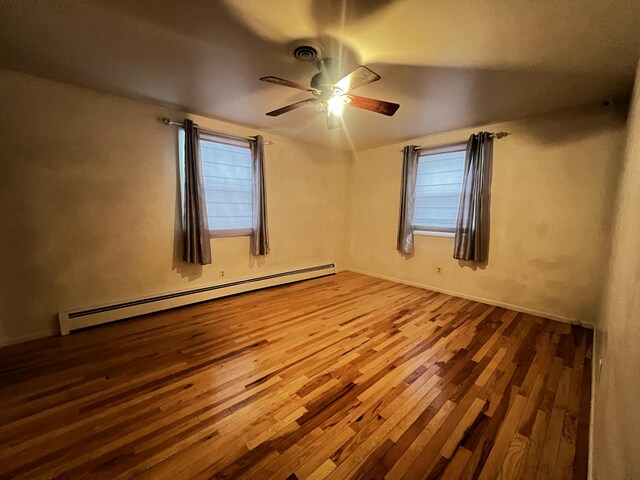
x: 335, y: 105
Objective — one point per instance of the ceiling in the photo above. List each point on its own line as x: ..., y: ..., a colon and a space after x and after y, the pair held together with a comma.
x: 449, y: 64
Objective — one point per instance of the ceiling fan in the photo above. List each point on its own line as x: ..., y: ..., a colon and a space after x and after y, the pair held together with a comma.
x: 331, y: 96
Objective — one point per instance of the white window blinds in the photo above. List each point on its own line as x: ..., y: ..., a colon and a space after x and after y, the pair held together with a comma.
x: 438, y: 187
x: 228, y: 182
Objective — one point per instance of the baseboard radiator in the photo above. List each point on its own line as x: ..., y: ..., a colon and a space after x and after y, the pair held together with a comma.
x: 89, y: 317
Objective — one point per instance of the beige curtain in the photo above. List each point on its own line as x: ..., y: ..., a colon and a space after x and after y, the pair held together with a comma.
x: 472, y: 228
x: 197, y: 247
x: 407, y: 199
x: 260, y: 233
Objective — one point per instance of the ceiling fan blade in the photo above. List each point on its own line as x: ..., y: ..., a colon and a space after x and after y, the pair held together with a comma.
x: 378, y: 106
x: 289, y: 83
x: 359, y: 77
x: 291, y: 107
x: 333, y: 122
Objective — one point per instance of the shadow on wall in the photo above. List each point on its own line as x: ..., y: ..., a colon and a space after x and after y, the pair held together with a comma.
x: 576, y: 124
x: 29, y: 284
x: 472, y: 265
x: 465, y: 97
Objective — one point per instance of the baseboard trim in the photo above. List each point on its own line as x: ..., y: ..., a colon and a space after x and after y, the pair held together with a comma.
x: 5, y: 341
x: 101, y: 314
x: 488, y: 301
x: 594, y: 369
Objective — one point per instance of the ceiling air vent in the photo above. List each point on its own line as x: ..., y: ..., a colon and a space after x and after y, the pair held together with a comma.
x: 307, y: 50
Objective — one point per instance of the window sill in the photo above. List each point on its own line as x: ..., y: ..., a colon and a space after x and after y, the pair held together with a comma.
x: 238, y: 232
x: 428, y: 233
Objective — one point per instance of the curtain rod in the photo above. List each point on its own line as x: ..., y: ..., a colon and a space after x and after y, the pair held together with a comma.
x: 497, y: 136
x: 168, y: 121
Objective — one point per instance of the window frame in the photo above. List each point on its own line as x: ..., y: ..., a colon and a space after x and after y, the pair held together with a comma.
x: 443, y: 232
x: 224, y: 140
x: 231, y: 232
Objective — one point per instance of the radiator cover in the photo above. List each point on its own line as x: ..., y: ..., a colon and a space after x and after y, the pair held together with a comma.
x: 88, y: 317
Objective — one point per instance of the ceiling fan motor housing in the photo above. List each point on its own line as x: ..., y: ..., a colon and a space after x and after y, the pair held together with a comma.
x: 325, y: 80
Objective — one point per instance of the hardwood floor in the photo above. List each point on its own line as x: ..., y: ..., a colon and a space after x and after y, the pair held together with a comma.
x: 345, y: 376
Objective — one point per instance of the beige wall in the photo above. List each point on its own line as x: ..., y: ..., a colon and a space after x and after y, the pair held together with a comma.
x: 90, y: 214
x: 616, y: 453
x: 553, y: 186
x: 89, y: 204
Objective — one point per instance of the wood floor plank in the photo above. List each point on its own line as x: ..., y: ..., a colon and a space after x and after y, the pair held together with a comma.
x: 346, y: 376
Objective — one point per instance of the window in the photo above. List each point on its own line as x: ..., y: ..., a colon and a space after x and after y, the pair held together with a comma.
x: 438, y: 188
x: 226, y: 167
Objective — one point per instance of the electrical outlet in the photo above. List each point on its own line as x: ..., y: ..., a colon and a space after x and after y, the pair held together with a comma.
x: 439, y: 270
x: 221, y: 274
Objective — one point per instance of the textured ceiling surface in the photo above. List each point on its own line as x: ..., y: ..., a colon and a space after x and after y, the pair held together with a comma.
x: 449, y: 64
